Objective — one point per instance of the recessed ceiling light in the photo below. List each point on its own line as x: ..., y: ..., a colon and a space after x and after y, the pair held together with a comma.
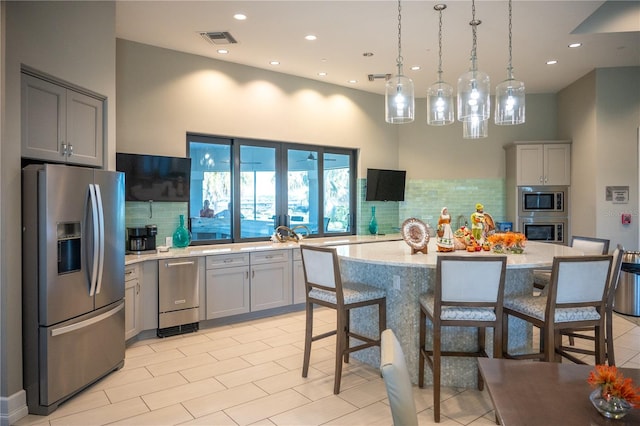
x: 274, y: 62
x: 575, y: 45
x: 223, y: 51
x: 310, y: 37
x: 353, y: 81
x: 240, y: 16
x: 415, y: 68
x: 322, y: 73
x: 552, y: 62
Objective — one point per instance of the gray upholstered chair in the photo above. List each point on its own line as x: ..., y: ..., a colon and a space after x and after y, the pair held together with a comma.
x: 588, y: 245
x: 575, y: 299
x: 612, y: 285
x: 468, y: 293
x: 397, y: 381
x: 324, y: 287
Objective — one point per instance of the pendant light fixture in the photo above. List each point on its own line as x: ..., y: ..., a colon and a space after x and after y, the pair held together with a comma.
x: 440, y: 94
x: 510, y: 102
x: 474, y: 87
x: 475, y: 128
x: 399, y: 99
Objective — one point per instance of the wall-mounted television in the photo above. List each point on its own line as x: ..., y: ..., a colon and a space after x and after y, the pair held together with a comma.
x: 154, y: 177
x: 385, y: 185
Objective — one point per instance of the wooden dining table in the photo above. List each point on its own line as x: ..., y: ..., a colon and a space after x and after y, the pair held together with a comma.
x: 534, y: 393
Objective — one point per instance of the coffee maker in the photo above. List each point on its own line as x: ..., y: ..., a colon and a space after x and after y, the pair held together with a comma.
x: 140, y: 240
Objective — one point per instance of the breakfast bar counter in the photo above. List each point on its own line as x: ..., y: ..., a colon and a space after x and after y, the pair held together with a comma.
x: 404, y: 276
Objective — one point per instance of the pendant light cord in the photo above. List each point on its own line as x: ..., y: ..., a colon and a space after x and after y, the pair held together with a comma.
x: 510, y: 68
x: 440, y: 8
x: 474, y: 23
x: 399, y: 59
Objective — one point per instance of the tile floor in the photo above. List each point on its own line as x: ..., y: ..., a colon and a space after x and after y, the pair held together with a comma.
x: 250, y: 374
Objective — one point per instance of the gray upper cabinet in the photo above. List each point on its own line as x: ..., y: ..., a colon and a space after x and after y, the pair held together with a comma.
x: 60, y: 124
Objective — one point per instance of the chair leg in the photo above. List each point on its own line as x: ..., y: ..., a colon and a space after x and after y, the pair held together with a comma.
x: 347, y: 323
x: 382, y: 317
x: 549, y: 345
x: 505, y: 335
x: 482, y: 335
x: 611, y: 358
x: 423, y: 342
x: 341, y: 339
x: 436, y: 372
x: 600, y: 344
x: 308, y: 336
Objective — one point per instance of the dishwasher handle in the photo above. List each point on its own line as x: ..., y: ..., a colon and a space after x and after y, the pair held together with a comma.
x: 172, y: 264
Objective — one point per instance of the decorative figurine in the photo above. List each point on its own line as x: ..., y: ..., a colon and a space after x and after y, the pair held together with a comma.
x: 477, y: 222
x: 444, y: 240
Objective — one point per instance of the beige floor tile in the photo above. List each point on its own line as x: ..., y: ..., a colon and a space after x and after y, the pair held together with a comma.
x: 212, y: 403
x: 315, y: 413
x: 365, y: 393
x: 208, y: 346
x: 177, y: 394
x: 317, y: 355
x: 267, y: 407
x: 179, y: 341
x: 239, y: 350
x: 104, y: 415
x: 145, y: 387
x: 466, y: 406
x: 152, y: 358
x: 260, y: 335
x: 172, y: 415
x: 321, y: 388
x: 377, y: 414
x: 140, y: 348
x: 286, y: 380
x: 178, y: 364
x: 214, y: 368
x: 250, y: 374
x: 121, y: 377
x: 289, y: 337
x: 230, y: 331
x: 217, y: 419
x: 272, y: 354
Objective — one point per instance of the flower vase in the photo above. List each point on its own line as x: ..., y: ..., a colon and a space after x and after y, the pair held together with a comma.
x: 182, y: 236
x: 611, y: 407
x: 373, y: 223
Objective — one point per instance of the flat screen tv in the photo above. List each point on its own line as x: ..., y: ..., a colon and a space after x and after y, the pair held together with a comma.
x: 154, y: 177
x: 385, y: 185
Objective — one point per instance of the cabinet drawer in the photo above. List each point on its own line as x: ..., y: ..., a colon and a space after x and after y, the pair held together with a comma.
x: 131, y: 273
x: 227, y: 260
x: 270, y: 256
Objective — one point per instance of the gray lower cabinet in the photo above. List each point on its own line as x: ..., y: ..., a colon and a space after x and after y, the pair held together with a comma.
x: 132, y: 314
x: 270, y: 279
x: 299, y: 291
x: 227, y: 285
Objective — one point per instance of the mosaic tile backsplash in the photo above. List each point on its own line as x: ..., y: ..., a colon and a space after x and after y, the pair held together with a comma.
x: 165, y: 215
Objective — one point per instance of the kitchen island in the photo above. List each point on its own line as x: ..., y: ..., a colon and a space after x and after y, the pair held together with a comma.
x: 390, y: 265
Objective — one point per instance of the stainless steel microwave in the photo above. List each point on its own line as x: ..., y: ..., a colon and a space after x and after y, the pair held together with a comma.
x: 550, y: 230
x: 543, y: 200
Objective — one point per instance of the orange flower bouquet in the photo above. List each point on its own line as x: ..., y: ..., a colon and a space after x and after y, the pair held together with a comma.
x: 614, y: 395
x: 513, y: 242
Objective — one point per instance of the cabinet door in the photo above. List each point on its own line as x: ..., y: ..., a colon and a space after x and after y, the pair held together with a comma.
x: 299, y: 291
x: 270, y: 285
x: 557, y: 164
x: 530, y: 165
x: 43, y: 119
x: 227, y: 291
x: 84, y: 129
x: 132, y: 318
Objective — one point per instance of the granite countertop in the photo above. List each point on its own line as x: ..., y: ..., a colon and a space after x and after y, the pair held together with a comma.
x: 206, y: 250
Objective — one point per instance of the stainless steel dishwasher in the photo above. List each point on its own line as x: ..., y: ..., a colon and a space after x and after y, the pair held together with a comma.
x: 178, y: 298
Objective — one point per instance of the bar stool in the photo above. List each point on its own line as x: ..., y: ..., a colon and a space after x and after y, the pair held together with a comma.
x: 324, y: 287
x: 468, y: 293
x: 575, y: 299
x: 612, y: 285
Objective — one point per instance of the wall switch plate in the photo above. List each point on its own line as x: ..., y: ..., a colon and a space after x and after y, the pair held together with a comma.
x: 168, y: 241
x: 626, y: 218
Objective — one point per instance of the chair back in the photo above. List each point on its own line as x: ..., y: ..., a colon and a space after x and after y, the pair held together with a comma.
x: 397, y: 380
x: 321, y: 269
x: 474, y: 280
x: 590, y: 245
x: 579, y: 280
x: 614, y: 275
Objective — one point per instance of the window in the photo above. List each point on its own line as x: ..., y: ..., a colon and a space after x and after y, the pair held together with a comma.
x: 242, y: 190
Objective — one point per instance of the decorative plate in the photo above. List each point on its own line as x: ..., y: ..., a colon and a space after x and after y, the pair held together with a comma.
x: 415, y: 234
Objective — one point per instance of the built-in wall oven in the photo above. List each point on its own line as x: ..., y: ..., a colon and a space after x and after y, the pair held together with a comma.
x: 544, y: 201
x: 545, y: 229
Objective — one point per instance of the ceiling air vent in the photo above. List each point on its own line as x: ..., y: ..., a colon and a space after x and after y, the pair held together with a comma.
x: 373, y: 77
x: 219, y: 37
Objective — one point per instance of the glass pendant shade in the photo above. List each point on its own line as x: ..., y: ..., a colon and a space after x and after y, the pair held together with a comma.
x: 440, y: 104
x: 510, y: 102
x: 399, y: 100
x: 474, y: 88
x: 475, y: 128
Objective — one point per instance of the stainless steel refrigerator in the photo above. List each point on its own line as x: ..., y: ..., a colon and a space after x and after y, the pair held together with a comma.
x: 73, y: 280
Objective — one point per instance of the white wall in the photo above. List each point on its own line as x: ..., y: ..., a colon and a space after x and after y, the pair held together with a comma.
x: 74, y: 41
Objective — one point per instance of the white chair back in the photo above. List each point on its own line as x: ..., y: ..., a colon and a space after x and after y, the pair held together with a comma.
x: 319, y: 267
x: 470, y: 281
x: 583, y: 281
x: 590, y: 246
x: 397, y: 380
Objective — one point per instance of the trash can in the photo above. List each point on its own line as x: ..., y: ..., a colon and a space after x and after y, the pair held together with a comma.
x: 627, y: 300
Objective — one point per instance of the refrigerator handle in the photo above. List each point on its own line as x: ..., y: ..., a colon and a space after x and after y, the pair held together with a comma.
x: 100, y: 238
x: 82, y: 324
x: 96, y: 242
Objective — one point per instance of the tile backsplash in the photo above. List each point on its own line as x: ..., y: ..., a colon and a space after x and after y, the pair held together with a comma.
x: 165, y: 215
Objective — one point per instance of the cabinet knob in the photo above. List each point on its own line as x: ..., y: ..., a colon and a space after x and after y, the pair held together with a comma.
x: 63, y: 149
x: 70, y: 153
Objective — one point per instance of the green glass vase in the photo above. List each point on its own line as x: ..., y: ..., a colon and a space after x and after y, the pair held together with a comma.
x: 373, y: 223
x: 182, y: 236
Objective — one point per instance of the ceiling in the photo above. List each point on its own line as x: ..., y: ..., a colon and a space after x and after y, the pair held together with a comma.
x: 275, y: 30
